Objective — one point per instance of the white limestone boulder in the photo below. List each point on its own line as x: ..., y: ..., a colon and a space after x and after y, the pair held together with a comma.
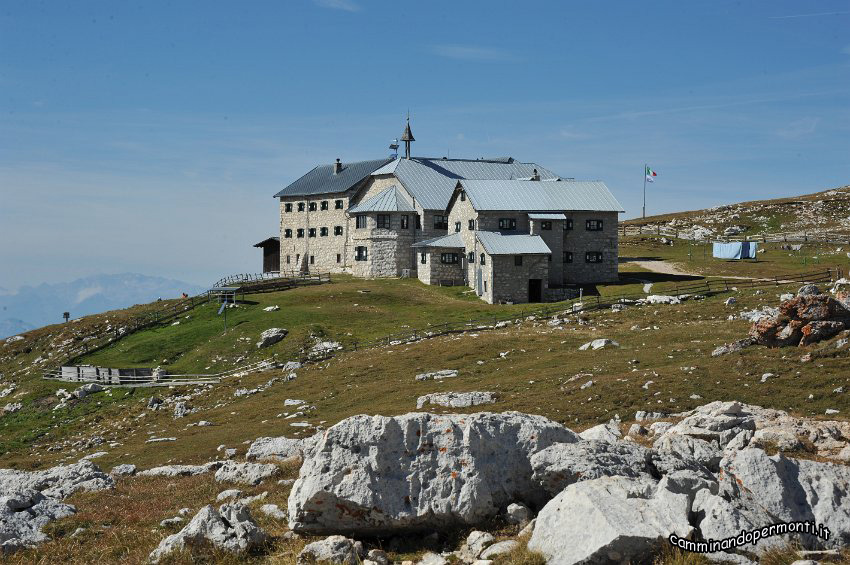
x: 610, y: 519
x: 382, y: 475
x: 229, y: 528
x: 336, y: 550
x: 598, y: 344
x: 245, y: 473
x: 791, y: 490
x: 57, y: 482
x: 181, y: 470
x: 23, y: 514
x: 277, y: 448
x: 456, y: 399
x: 609, y: 431
x: 271, y: 336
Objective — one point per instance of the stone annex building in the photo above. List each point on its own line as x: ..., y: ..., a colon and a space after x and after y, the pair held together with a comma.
x: 514, y: 232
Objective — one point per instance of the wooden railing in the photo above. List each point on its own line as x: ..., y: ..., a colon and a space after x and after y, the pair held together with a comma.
x: 112, y: 380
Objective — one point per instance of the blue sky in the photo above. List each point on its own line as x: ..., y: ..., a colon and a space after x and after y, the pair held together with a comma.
x: 150, y: 137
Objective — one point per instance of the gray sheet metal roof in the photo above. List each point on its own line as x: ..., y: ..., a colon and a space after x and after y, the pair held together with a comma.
x: 452, y: 240
x: 547, y: 217
x: 523, y: 195
x: 322, y: 179
x: 501, y: 243
x: 390, y: 199
x: 265, y: 241
x: 432, y: 181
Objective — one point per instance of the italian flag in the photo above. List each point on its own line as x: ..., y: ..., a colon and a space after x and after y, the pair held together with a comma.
x: 649, y: 174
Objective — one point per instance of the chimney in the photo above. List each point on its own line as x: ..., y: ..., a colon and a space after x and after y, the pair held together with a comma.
x: 337, y: 167
x: 535, y: 175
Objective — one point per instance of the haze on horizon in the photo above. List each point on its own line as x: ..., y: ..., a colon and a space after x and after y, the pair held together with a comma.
x: 150, y: 138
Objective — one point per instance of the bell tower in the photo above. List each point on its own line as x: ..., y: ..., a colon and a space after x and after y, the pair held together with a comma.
x: 407, y: 137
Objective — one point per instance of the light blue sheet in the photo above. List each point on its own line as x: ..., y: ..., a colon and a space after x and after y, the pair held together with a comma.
x: 735, y: 250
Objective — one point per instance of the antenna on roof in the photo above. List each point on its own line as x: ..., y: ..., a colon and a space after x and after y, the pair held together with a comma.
x: 394, y: 147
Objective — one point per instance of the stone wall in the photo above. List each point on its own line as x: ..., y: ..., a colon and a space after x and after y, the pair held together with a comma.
x: 434, y: 270
x: 579, y: 241
x: 510, y: 282
x: 325, y: 250
x: 554, y: 239
x: 389, y: 250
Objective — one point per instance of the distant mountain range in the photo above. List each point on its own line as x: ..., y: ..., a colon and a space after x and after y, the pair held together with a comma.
x: 35, y: 306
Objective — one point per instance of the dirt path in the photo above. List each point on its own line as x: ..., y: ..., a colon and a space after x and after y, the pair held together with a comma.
x: 658, y: 266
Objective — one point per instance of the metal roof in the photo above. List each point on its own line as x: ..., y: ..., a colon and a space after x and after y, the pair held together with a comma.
x: 452, y: 240
x: 547, y: 217
x: 432, y: 180
x: 523, y: 195
x: 322, y: 179
x: 500, y: 243
x: 390, y: 199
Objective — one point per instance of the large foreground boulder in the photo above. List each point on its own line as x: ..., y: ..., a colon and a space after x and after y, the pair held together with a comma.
x: 609, y: 520
x: 230, y: 528
x: 379, y: 475
x: 805, y: 319
x: 787, y: 489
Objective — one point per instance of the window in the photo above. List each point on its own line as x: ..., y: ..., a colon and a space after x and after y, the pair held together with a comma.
x: 287, y: 233
x: 338, y: 204
x: 405, y: 221
x: 568, y: 224
x: 300, y: 206
x: 287, y: 259
x: 549, y: 257
x: 323, y: 232
x: 448, y: 258
x: 338, y: 258
x: 337, y: 230
x: 485, y: 286
x: 593, y: 257
x: 518, y: 260
x: 297, y: 257
x: 324, y: 205
x: 312, y: 232
x: 288, y: 207
x: 312, y: 259
x: 507, y: 223
x: 361, y: 222
x: 593, y: 225
x: 471, y: 257
x: 384, y: 221
x: 471, y: 225
x: 362, y: 254
x: 462, y: 196
x: 483, y: 260
x: 441, y: 222
x: 312, y: 206
x: 423, y: 257
x: 300, y: 232
x: 418, y: 222
x: 546, y: 225
x: 568, y: 256
x: 457, y: 227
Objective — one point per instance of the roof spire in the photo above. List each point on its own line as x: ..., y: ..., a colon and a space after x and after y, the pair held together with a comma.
x: 407, y: 137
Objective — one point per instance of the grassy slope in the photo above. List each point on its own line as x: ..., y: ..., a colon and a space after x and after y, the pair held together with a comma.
x: 537, y: 376
x: 765, y: 216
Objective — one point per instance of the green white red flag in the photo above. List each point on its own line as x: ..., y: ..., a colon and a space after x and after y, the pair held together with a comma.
x: 650, y: 174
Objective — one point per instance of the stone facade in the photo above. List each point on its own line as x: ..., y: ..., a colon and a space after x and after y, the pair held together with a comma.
x: 508, y: 282
x: 388, y: 250
x: 579, y: 241
x: 434, y: 270
x: 329, y: 251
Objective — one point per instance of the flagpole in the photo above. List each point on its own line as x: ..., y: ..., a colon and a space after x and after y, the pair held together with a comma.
x: 644, y: 190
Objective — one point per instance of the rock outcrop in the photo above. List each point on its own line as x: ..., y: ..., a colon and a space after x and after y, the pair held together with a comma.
x: 456, y: 399
x: 377, y: 474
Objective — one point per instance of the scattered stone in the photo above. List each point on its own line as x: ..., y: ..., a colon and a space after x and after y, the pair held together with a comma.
x: 12, y: 407
x: 271, y: 336
x: 273, y: 511
x: 599, y: 344
x: 171, y: 522
x: 456, y: 399
x: 499, y: 548
x: 228, y: 494
x: 518, y: 514
x: 731, y: 301
x: 271, y: 308
x: 291, y: 366
x: 230, y: 528
x: 437, y: 375
x: 181, y: 470
x: 180, y: 410
x: 609, y: 432
x: 245, y: 473
x: 733, y: 347
x: 278, y: 448
x: 332, y: 550
x: 661, y: 299
x: 123, y: 470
